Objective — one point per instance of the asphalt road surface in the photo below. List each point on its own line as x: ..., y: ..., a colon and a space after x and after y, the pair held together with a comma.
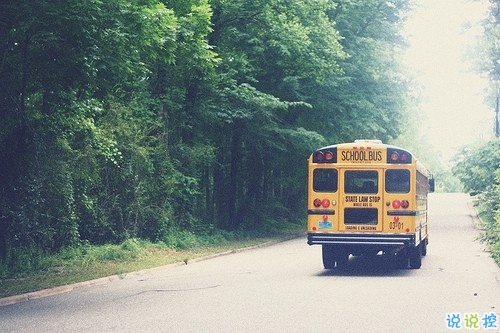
x: 284, y: 288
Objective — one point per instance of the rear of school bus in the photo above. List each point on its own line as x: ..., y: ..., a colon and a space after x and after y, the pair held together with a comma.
x: 367, y: 198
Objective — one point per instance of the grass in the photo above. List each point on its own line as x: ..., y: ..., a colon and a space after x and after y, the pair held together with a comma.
x: 87, y: 262
x: 489, y: 223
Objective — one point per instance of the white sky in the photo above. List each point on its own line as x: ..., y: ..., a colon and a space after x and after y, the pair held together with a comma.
x: 440, y: 33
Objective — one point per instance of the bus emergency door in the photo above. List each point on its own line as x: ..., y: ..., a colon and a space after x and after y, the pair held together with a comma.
x: 361, y: 208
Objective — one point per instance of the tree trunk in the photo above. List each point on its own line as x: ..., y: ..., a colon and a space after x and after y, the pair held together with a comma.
x: 234, y: 180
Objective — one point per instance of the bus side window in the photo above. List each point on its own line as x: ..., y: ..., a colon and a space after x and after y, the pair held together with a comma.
x: 397, y: 181
x: 325, y: 180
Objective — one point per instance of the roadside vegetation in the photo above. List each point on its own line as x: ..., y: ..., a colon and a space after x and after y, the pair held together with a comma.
x: 478, y: 168
x: 146, y: 122
x: 87, y: 262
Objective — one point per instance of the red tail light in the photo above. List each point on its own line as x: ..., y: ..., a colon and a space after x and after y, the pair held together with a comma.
x: 325, y: 155
x: 325, y: 203
x: 319, y: 157
x: 394, y: 156
x: 400, y: 204
x: 329, y: 156
x: 398, y: 156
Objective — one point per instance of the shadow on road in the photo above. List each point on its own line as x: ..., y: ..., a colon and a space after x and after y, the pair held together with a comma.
x: 369, y: 266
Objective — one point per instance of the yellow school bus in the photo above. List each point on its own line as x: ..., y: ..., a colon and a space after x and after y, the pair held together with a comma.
x: 368, y: 198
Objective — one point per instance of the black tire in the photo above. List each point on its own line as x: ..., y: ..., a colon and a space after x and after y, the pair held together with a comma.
x: 402, y: 259
x: 342, y: 259
x: 328, y: 254
x: 424, y: 247
x: 334, y: 256
x: 416, y: 257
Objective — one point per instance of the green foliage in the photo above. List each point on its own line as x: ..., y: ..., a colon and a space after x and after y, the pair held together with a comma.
x: 171, y: 120
x: 478, y: 168
x: 490, y: 211
x: 485, y: 55
x: 181, y: 240
x: 474, y: 166
x: 22, y: 261
x: 26, y: 261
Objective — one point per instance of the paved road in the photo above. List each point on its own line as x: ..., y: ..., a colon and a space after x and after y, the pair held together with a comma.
x: 284, y: 288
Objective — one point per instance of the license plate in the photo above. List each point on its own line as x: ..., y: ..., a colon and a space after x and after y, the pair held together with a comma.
x: 325, y: 225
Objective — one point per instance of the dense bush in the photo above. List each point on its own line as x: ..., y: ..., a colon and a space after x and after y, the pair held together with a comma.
x: 478, y: 168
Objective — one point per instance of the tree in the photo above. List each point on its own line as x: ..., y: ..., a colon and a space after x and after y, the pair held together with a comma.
x: 369, y: 100
x: 266, y: 49
x: 65, y: 66
x: 474, y: 165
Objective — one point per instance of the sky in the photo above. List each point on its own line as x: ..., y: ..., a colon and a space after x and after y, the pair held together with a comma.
x: 440, y: 33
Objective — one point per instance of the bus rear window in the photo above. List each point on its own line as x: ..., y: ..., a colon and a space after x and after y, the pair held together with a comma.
x: 325, y: 180
x: 397, y: 181
x: 365, y: 182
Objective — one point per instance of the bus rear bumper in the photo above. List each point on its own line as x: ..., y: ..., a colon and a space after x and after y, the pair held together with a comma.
x: 362, y: 239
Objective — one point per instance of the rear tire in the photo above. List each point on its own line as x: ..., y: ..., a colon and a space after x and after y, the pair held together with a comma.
x: 416, y: 257
x: 424, y: 247
x: 342, y: 259
x: 402, y: 259
x: 334, y: 257
x: 328, y: 255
